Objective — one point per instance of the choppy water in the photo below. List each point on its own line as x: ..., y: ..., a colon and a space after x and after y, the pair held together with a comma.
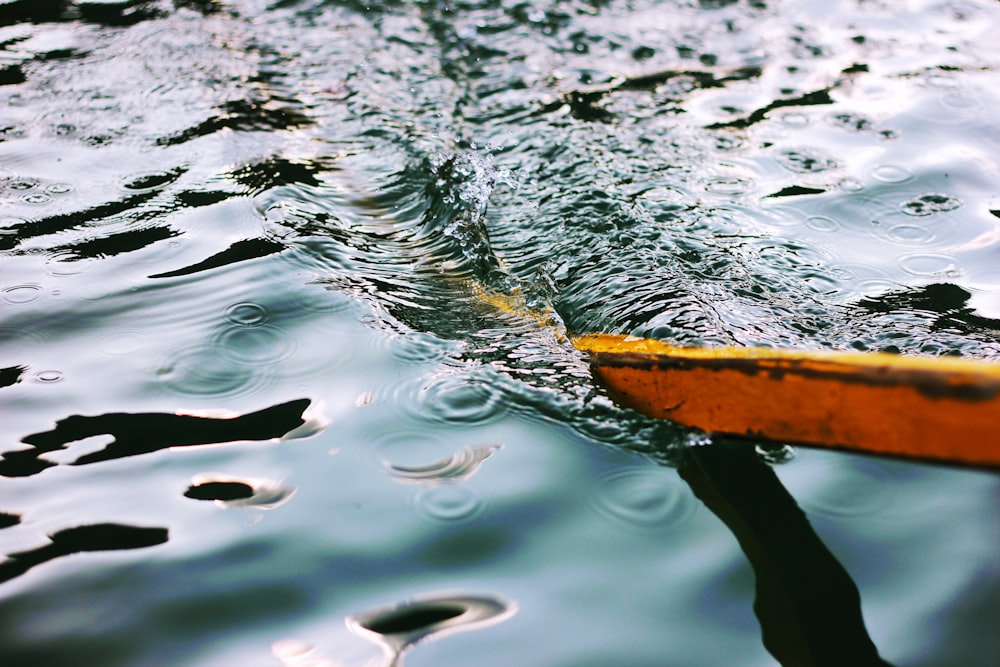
x: 257, y: 390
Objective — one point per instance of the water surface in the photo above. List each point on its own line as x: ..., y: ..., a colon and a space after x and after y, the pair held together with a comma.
x: 284, y: 295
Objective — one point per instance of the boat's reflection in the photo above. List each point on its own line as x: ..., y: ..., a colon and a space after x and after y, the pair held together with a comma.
x: 808, y: 606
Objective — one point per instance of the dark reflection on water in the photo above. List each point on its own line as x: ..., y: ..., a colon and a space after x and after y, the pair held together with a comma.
x: 403, y: 209
x: 231, y: 492
x: 134, y: 434
x: 11, y: 375
x: 947, y: 304
x: 816, y: 97
x: 584, y: 104
x: 95, y: 537
x: 240, y: 251
x: 241, y: 115
x: 400, y: 627
x: 219, y: 491
x: 808, y: 606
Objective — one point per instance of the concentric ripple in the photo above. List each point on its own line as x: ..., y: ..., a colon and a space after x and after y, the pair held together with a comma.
x: 19, y: 295
x: 409, y: 449
x: 929, y: 204
x: 929, y: 264
x: 644, y: 497
x: 202, y: 371
x: 460, y: 465
x: 49, y: 376
x: 457, y: 399
x: 256, y: 346
x: 449, y: 502
x: 247, y: 314
x: 864, y: 489
x: 893, y: 173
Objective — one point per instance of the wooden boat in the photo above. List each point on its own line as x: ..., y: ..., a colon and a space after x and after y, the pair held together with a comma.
x: 935, y: 408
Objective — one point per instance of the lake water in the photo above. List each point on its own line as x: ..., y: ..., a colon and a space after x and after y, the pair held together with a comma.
x: 283, y: 300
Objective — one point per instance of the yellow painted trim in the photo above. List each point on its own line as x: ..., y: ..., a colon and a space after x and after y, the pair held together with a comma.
x: 944, y: 409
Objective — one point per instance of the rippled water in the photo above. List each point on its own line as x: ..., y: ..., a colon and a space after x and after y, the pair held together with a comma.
x: 283, y: 301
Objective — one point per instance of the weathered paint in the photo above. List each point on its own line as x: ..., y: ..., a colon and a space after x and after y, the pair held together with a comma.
x: 944, y: 409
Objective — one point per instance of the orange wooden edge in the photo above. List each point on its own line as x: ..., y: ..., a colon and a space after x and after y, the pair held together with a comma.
x: 936, y: 408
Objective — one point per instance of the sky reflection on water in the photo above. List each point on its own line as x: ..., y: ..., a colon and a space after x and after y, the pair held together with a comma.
x: 224, y: 222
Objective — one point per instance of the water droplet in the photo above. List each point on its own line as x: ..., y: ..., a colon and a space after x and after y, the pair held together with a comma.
x: 49, y: 376
x: 892, y: 173
x: 449, y: 502
x: 927, y: 264
x: 22, y: 184
x: 247, y: 314
x: 62, y: 263
x: 460, y: 465
x: 929, y: 204
x: 910, y: 234
x: 18, y: 295
x: 729, y: 186
x: 822, y: 223
x: 805, y: 161
x: 664, y: 195
x: 59, y: 188
x: 36, y: 198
